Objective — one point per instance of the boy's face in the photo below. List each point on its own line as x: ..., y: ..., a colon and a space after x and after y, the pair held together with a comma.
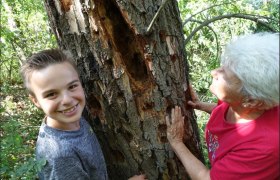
x: 226, y: 85
x: 59, y: 93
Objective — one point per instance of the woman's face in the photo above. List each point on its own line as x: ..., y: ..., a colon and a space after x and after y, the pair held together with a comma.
x: 226, y: 86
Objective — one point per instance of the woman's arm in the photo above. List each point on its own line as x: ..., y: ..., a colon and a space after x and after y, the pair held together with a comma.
x: 195, y: 103
x: 175, y: 132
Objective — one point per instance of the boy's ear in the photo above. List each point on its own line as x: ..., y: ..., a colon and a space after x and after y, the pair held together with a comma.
x: 34, y: 100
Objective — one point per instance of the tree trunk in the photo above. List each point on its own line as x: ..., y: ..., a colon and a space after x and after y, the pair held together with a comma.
x: 132, y: 78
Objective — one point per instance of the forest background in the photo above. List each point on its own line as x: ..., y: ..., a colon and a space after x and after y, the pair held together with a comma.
x: 208, y: 26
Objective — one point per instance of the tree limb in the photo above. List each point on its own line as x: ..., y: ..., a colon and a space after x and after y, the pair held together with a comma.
x: 242, y: 16
x: 264, y: 17
x: 190, y: 18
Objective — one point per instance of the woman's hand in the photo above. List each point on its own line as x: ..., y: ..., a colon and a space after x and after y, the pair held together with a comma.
x: 195, y: 103
x: 175, y: 126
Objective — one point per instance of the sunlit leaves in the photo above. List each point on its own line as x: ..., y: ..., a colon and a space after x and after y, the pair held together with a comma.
x: 24, y: 30
x: 206, y: 45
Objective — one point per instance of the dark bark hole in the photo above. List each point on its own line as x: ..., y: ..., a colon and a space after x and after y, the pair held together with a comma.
x: 93, y: 66
x: 127, y: 135
x: 109, y: 62
x: 94, y: 103
x: 117, y: 156
x: 162, y: 133
x: 123, y: 40
x: 148, y: 105
x: 95, y: 108
x: 168, y: 110
x: 136, y: 67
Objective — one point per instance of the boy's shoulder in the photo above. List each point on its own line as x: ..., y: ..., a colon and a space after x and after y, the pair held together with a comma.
x: 59, y: 143
x: 52, y: 144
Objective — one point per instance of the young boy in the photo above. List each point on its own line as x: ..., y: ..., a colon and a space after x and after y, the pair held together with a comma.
x: 66, y: 141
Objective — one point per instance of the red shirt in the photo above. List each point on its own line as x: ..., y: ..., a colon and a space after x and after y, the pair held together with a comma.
x: 248, y: 150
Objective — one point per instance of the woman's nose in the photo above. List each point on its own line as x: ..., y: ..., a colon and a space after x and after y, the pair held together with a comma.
x: 213, y: 72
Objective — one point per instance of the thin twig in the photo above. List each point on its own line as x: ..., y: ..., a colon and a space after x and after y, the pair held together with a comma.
x: 156, y: 15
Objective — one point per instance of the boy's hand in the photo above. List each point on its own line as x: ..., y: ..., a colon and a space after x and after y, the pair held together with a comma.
x: 175, y: 126
x: 138, y: 177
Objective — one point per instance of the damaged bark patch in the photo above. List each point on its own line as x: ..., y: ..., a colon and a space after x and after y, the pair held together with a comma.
x: 65, y: 5
x: 162, y: 133
x: 96, y: 110
x: 124, y: 42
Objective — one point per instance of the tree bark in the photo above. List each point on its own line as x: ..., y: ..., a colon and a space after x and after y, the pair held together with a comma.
x: 132, y: 78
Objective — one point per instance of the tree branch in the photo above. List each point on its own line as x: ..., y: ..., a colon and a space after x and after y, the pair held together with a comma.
x: 264, y: 17
x: 242, y: 16
x: 155, y: 17
x: 190, y: 18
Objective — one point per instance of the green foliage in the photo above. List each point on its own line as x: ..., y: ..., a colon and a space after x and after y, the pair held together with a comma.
x: 19, y: 124
x: 201, y: 123
x: 24, y: 30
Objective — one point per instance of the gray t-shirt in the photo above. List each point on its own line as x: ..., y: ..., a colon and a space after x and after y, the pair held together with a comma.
x: 70, y: 154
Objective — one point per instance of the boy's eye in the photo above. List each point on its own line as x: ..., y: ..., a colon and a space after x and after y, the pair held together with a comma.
x: 73, y: 86
x: 50, y: 95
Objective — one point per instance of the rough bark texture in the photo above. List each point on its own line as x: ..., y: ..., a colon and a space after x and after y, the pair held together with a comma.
x: 131, y: 78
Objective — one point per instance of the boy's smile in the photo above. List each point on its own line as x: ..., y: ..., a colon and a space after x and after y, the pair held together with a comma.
x: 59, y: 93
x: 69, y: 111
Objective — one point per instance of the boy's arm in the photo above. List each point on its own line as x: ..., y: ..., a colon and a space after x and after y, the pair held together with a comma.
x: 64, y: 168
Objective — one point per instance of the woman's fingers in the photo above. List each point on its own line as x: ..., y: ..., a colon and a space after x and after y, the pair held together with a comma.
x: 172, y: 115
x: 167, y: 119
x: 177, y: 111
x: 176, y: 115
x: 175, y: 126
x: 194, y: 95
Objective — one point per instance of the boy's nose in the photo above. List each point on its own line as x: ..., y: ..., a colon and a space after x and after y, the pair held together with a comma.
x: 66, y: 99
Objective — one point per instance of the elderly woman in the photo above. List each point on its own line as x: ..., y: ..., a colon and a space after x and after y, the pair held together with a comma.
x: 242, y: 133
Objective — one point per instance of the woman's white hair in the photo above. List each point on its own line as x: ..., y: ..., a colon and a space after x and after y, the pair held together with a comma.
x: 255, y: 60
